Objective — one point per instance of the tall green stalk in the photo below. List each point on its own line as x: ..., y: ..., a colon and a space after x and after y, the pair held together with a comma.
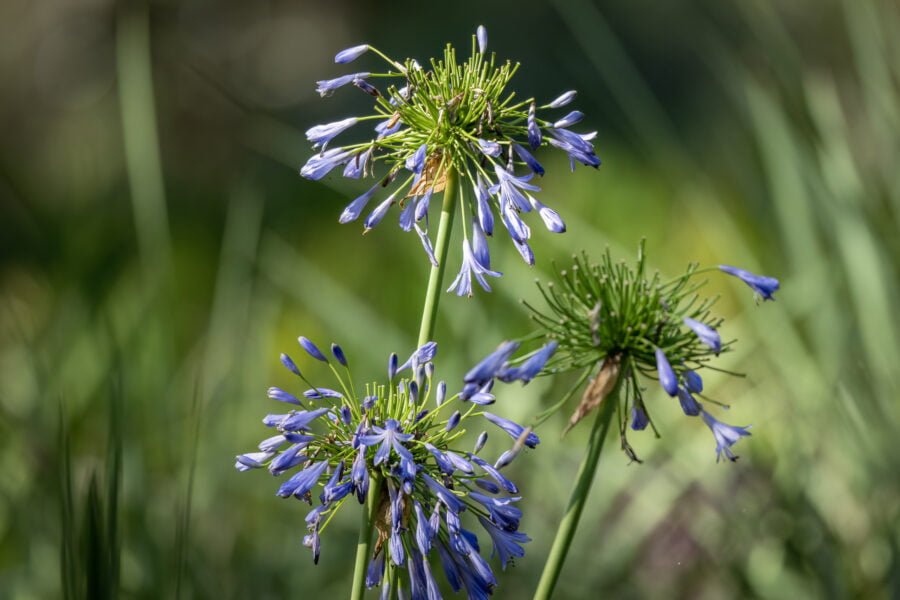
x: 436, y: 277
x: 426, y: 329
x: 364, y: 544
x: 584, y: 479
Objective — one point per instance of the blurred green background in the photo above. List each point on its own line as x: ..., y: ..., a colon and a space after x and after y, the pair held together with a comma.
x: 158, y: 250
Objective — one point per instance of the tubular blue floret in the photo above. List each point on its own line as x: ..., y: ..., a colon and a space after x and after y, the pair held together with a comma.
x: 525, y: 251
x: 513, y: 429
x: 356, y: 166
x: 689, y: 405
x: 326, y: 87
x: 423, y: 203
x: 319, y: 165
x: 416, y: 161
x: 552, y: 221
x: 563, y: 99
x: 375, y: 571
x: 423, y: 355
x: 338, y: 353
x: 366, y: 87
x: 300, y: 420
x: 302, y: 481
x: 530, y: 369
x: 667, y: 378
x: 480, y: 442
x: 453, y: 421
x: 481, y: 35
x: 462, y: 285
x: 762, y: 285
x: 489, y: 148
x: 448, y: 498
x: 570, y: 119
x: 528, y: 159
x: 491, y: 365
x: 426, y: 244
x: 407, y: 215
x: 482, y: 197
x: 440, y: 459
x: 379, y: 213
x: 505, y: 483
x: 726, y: 436
x: 355, y: 208
x: 707, y: 334
x: 320, y: 135
x: 289, y: 364
x: 319, y: 393
x: 639, y: 418
x: 392, y: 366
x: 311, y: 349
x: 574, y: 145
x: 350, y: 54
x: 534, y: 132
x: 693, y: 382
x: 272, y: 444
x: 507, y: 544
x: 460, y: 463
x: 282, y: 396
x: 252, y: 460
x: 480, y: 245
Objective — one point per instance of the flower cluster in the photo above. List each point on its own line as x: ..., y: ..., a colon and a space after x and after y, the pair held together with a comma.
x: 445, y: 122
x: 400, y: 443
x: 611, y: 314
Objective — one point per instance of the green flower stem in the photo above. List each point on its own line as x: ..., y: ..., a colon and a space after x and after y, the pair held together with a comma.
x: 436, y: 277
x: 583, y: 481
x: 426, y: 330
x: 364, y: 544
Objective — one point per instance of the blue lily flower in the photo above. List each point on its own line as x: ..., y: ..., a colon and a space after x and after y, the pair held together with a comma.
x: 693, y: 382
x: 320, y: 135
x: 514, y: 430
x: 667, y: 378
x: 534, y: 132
x: 326, y: 87
x: 481, y: 35
x: 350, y: 54
x: 355, y: 208
x: 390, y: 436
x: 726, y: 436
x: 688, y: 404
x: 311, y: 349
x: 319, y: 165
x: 570, y: 119
x: 762, y: 285
x: 563, y: 99
x: 707, y: 334
x: 639, y: 418
x: 462, y: 285
x: 528, y: 159
x: 507, y: 544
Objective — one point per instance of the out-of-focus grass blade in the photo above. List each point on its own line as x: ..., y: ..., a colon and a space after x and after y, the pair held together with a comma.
x: 139, y: 128
x: 342, y: 314
x: 69, y: 545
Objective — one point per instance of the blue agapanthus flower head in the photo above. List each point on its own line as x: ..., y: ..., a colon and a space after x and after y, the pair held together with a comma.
x: 609, y: 318
x: 448, y: 120
x: 403, y: 440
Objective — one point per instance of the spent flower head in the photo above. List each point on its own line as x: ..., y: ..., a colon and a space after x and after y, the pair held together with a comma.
x: 617, y: 320
x: 401, y: 439
x: 444, y: 123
